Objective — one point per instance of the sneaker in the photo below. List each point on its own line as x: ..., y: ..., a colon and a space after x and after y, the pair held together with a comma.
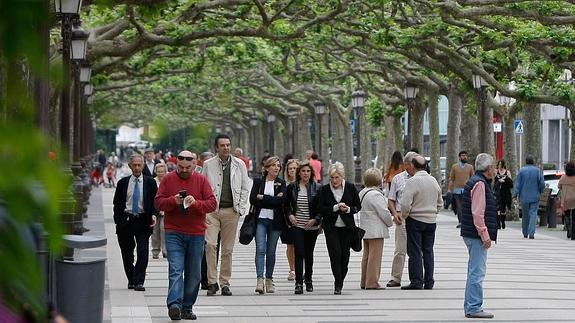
x: 393, y: 283
x: 212, y: 289
x: 187, y: 314
x: 291, y: 276
x: 174, y: 312
x: 479, y: 315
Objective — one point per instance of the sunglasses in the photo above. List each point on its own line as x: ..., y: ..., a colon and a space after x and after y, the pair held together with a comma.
x: 186, y: 158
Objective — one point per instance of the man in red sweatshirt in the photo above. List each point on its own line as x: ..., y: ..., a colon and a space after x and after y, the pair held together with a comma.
x: 185, y: 197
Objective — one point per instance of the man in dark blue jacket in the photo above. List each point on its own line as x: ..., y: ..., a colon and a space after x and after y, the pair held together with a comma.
x: 478, y: 229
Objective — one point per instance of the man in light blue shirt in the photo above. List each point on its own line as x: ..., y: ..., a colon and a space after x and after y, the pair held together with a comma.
x: 528, y: 186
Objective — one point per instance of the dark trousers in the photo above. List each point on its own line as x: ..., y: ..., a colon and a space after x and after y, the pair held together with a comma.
x: 128, y: 239
x: 338, y: 241
x: 304, y: 244
x: 420, y: 240
x: 204, y: 281
x: 458, y: 201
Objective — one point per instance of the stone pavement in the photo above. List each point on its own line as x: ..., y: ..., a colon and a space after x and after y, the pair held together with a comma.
x: 527, y: 281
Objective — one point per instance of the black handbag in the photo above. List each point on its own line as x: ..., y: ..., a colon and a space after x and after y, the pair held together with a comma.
x: 248, y: 229
x: 357, y: 234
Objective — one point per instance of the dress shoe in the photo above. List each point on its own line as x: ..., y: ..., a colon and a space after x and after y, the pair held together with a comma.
x: 204, y: 286
x: 131, y: 286
x: 155, y: 257
x: 531, y: 237
x: 164, y: 255
x: 140, y: 288
x: 337, y: 291
x: 212, y: 289
x: 479, y: 315
x: 410, y: 286
x: 189, y: 315
x: 298, y: 289
x: 393, y: 283
x: 226, y: 291
x: 428, y: 287
x: 309, y: 287
x: 174, y: 312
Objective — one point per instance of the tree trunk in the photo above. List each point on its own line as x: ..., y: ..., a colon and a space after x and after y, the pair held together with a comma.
x: 365, y: 141
x: 510, y: 156
x: 398, y: 131
x: 342, y: 143
x: 532, y: 136
x: 570, y: 124
x: 280, y: 139
x: 453, y: 128
x: 434, y: 136
x: 416, y: 129
x: 469, y: 134
x: 485, y: 127
x: 303, y: 136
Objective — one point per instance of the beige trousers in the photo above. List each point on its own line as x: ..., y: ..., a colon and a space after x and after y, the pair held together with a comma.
x: 225, y: 223
x: 159, y: 237
x: 399, y: 254
x: 371, y: 263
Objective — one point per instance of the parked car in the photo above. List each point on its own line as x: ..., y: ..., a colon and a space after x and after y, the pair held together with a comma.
x: 551, y: 179
x: 140, y: 145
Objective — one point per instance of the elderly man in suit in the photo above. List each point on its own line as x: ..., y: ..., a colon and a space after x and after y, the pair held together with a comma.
x: 134, y: 218
x: 150, y: 163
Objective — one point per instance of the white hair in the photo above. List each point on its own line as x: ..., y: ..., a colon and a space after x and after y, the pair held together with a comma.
x: 483, y: 161
x: 409, y: 156
x: 336, y: 167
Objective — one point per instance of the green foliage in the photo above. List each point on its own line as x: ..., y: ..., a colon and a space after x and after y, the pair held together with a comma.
x: 375, y: 113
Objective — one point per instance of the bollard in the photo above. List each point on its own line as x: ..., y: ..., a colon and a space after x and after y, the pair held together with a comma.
x: 80, y: 284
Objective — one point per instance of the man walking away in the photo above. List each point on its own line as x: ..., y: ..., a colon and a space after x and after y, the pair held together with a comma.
x: 230, y: 183
x: 479, y: 230
x: 420, y: 203
x: 458, y: 176
x: 528, y: 186
x: 185, y: 197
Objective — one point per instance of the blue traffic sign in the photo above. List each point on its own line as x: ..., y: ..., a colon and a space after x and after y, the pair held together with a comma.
x: 519, y: 126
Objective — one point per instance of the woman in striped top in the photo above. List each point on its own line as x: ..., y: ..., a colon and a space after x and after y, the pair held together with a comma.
x: 301, y: 196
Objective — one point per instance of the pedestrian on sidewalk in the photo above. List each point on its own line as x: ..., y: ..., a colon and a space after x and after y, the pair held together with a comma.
x: 479, y: 230
x: 393, y: 203
x: 375, y: 219
x: 528, y: 186
x: 185, y: 197
x: 338, y: 201
x: 159, y: 233
x: 567, y: 198
x: 134, y: 218
x: 302, y: 215
x: 229, y: 181
x: 502, y: 186
x: 268, y: 196
x: 420, y: 203
x: 394, y: 167
x: 458, y: 176
x: 290, y: 168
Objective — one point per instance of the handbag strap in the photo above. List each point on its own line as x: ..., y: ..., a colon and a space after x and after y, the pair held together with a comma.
x: 364, y: 194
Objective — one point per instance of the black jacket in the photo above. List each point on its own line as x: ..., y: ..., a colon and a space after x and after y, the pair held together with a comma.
x: 291, y: 200
x: 149, y: 193
x: 147, y: 172
x: 275, y: 202
x: 326, y: 201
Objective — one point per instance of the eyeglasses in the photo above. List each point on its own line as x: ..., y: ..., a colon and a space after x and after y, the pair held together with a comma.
x: 186, y: 158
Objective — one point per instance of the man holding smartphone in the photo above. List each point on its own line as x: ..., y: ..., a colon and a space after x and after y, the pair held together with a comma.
x: 185, y: 197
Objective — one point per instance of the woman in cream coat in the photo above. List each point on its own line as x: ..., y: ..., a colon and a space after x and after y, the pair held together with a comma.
x: 375, y: 219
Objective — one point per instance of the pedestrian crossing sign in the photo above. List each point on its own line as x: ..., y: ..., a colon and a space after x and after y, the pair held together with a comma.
x: 519, y: 127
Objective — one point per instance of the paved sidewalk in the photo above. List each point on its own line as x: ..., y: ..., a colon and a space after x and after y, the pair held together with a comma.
x: 527, y: 281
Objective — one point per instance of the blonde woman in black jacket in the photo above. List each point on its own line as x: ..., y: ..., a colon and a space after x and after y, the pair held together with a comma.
x: 338, y: 201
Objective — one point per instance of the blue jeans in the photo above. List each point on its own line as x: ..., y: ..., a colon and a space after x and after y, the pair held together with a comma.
x: 266, y: 243
x: 529, y: 218
x: 185, y: 254
x: 476, y: 267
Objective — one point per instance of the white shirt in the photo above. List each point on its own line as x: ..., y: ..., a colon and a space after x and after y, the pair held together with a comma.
x: 130, y: 194
x: 268, y: 190
x: 150, y: 165
x: 338, y: 194
x: 396, y: 188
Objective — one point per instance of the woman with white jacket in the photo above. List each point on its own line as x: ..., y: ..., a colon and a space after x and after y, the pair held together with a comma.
x: 375, y: 219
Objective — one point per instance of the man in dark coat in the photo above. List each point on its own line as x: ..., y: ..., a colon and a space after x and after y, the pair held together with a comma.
x: 134, y: 218
x: 478, y: 229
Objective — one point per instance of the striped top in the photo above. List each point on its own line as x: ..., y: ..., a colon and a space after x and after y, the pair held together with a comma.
x: 302, y: 212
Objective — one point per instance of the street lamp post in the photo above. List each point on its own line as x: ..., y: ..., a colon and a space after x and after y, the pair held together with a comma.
x: 78, y: 46
x: 272, y: 127
x: 320, y: 112
x: 480, y: 86
x: 357, y: 103
x: 410, y: 92
x: 254, y: 124
x: 67, y: 11
x: 292, y: 117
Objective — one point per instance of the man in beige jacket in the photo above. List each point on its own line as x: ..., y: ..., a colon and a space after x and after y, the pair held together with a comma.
x: 229, y: 179
x: 420, y: 203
